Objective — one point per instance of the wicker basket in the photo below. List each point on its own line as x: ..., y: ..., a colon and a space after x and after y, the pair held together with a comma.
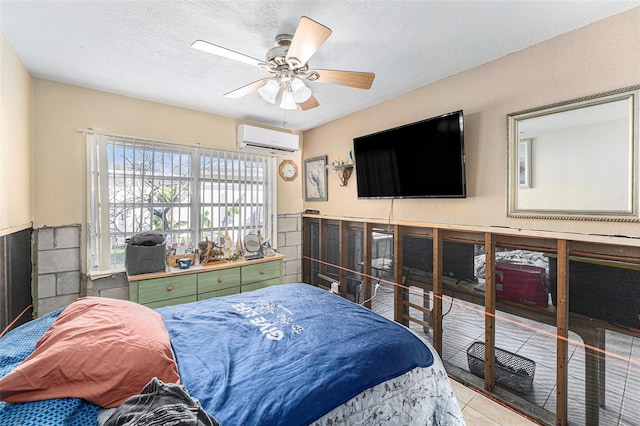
x: 512, y: 371
x: 172, y: 260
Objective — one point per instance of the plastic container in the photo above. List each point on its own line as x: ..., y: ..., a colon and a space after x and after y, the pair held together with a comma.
x: 512, y: 371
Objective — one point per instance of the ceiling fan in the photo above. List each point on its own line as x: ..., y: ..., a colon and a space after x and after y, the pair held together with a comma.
x: 287, y: 62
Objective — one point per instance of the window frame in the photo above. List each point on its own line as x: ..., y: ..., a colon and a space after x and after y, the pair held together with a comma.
x: 99, y: 242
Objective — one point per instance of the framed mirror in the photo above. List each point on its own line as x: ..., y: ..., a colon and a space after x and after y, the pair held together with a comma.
x: 576, y: 159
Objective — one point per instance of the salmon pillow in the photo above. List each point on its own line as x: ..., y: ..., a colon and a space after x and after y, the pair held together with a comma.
x: 99, y: 349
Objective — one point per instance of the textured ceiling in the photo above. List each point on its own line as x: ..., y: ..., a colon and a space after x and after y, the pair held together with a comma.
x: 142, y: 48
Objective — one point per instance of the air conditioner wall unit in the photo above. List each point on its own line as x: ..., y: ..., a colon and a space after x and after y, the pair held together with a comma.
x: 272, y: 140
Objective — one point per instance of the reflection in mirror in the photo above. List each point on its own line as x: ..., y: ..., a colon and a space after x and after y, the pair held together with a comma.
x: 253, y: 247
x: 576, y: 159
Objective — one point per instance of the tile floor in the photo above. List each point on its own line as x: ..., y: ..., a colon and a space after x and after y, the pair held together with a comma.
x: 464, y: 324
x: 478, y: 410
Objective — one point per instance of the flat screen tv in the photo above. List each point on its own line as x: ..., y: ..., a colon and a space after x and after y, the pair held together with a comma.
x: 424, y: 159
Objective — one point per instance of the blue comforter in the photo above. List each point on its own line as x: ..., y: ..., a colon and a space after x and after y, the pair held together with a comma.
x: 282, y: 355
x: 285, y: 354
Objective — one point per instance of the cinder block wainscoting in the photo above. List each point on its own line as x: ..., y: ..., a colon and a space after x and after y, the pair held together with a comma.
x: 56, y: 263
x: 290, y: 244
x: 114, y: 286
x: 58, y: 279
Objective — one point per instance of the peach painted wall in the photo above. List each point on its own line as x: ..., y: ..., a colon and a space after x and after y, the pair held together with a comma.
x: 15, y: 142
x: 599, y: 57
x: 60, y: 154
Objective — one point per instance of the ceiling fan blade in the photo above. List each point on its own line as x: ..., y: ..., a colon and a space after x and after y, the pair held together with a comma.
x: 312, y: 102
x: 307, y: 39
x: 245, y: 90
x: 205, y: 46
x: 359, y: 80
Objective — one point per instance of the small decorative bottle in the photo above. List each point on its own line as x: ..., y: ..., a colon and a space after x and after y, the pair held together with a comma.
x: 196, y: 257
x: 239, y: 246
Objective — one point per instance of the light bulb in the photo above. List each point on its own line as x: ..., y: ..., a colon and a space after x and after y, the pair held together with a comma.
x: 288, y: 102
x: 269, y: 91
x: 301, y: 93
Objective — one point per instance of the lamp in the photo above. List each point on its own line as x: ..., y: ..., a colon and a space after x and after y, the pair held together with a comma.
x: 269, y: 91
x: 288, y: 100
x: 301, y: 93
x: 294, y: 91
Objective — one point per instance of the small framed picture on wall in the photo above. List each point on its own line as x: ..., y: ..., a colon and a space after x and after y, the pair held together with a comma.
x: 524, y: 163
x: 315, y: 179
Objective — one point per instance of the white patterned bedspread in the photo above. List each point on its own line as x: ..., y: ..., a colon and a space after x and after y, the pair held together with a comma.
x: 422, y: 396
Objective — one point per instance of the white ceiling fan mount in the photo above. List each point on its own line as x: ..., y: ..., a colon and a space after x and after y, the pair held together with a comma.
x: 287, y: 62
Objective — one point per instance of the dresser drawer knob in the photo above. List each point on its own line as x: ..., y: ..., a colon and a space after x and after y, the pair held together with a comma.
x: 169, y: 288
x: 220, y: 279
x: 261, y: 272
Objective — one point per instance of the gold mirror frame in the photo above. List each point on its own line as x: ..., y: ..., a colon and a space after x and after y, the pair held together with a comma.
x: 538, y: 165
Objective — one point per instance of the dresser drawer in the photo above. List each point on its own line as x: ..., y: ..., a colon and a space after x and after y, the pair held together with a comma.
x: 169, y: 288
x: 169, y: 302
x: 217, y: 293
x: 260, y: 284
x: 260, y: 272
x: 218, y: 280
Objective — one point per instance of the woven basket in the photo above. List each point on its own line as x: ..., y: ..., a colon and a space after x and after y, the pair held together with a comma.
x: 172, y: 260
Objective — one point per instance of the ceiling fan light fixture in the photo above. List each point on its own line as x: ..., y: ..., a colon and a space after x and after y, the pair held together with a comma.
x: 269, y: 91
x: 288, y: 101
x: 301, y: 93
x: 288, y: 63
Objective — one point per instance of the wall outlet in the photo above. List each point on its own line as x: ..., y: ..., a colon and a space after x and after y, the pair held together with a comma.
x: 335, y: 288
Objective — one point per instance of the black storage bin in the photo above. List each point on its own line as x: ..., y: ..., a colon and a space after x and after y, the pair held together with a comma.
x: 145, y: 254
x: 601, y: 291
x: 512, y: 371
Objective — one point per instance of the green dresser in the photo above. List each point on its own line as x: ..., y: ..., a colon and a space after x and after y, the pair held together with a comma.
x: 218, y: 279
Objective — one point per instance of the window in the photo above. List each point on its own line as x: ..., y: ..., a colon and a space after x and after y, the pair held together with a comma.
x: 189, y: 193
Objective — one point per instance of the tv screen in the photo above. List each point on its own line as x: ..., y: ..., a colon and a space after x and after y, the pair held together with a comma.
x: 418, y: 160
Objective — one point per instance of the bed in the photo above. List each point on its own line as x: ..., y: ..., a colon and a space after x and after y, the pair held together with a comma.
x: 289, y: 354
